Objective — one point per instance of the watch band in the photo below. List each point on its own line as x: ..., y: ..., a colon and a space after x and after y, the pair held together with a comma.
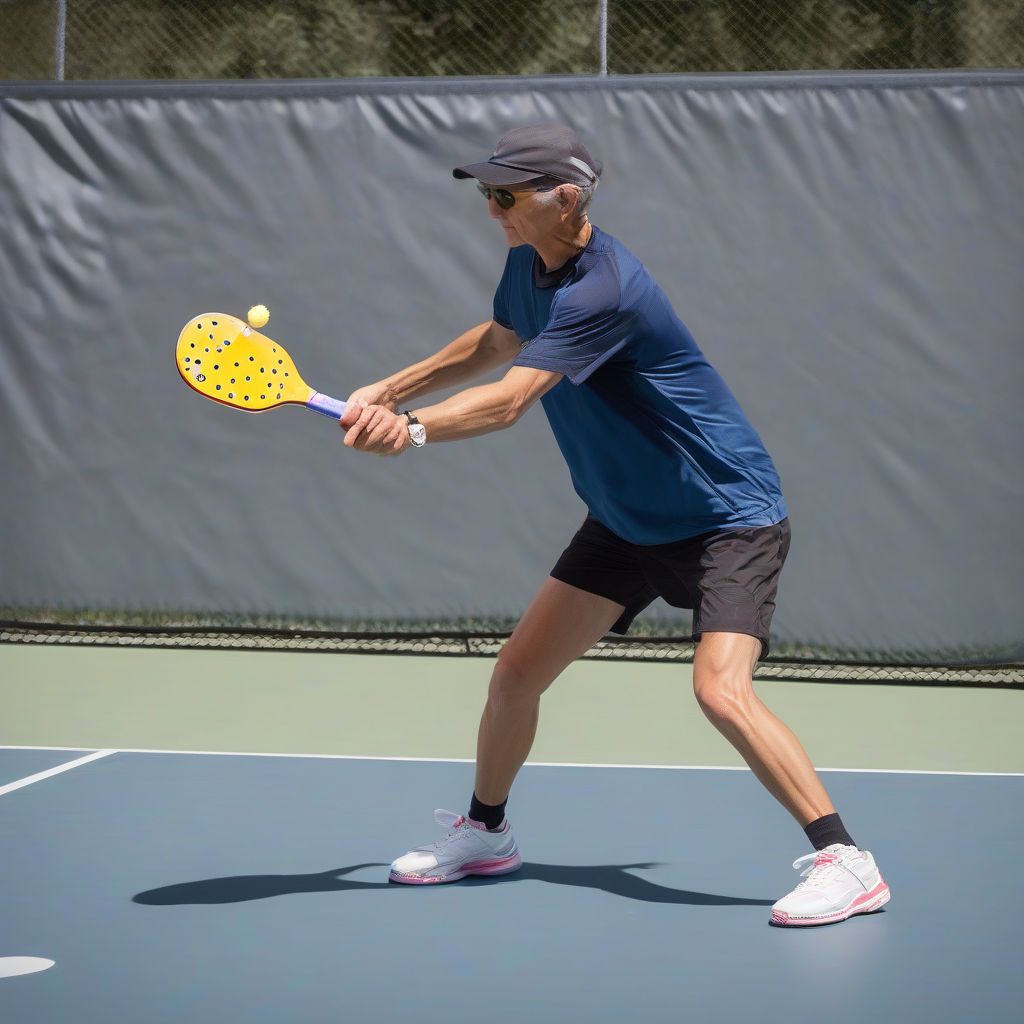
x: 417, y: 432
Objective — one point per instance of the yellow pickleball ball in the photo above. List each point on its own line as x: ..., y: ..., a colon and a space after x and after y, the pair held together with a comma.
x: 258, y: 316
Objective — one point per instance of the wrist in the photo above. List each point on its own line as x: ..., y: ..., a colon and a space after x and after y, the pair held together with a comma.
x: 389, y: 394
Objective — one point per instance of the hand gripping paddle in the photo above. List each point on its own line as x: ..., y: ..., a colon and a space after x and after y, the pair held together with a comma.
x: 224, y: 359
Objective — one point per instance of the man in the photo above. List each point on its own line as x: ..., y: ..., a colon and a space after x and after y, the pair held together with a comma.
x: 684, y: 502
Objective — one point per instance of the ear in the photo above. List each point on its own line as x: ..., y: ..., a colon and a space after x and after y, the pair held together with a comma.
x: 566, y: 196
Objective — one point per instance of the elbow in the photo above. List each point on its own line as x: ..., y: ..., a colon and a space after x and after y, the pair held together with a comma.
x: 514, y: 410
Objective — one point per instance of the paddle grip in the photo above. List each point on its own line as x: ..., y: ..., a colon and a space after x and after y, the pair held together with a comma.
x: 326, y: 406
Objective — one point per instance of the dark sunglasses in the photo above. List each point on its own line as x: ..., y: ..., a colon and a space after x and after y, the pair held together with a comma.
x: 503, y: 197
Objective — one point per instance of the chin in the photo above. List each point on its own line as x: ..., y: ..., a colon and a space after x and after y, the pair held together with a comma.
x: 512, y: 237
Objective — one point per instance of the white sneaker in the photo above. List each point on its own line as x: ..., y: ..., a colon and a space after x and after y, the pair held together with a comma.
x: 841, y: 882
x: 468, y: 849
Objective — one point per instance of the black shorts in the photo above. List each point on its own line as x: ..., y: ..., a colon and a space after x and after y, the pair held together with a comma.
x: 728, y: 577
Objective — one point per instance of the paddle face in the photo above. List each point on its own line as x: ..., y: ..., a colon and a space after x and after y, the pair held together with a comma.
x: 226, y: 360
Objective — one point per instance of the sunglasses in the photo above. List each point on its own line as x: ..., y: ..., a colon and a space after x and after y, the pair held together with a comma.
x: 504, y: 198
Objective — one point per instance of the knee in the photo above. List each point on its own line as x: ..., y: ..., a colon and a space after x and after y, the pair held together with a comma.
x: 726, y: 699
x: 513, y: 680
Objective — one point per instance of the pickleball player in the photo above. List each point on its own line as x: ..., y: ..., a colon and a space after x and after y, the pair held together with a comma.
x: 683, y: 502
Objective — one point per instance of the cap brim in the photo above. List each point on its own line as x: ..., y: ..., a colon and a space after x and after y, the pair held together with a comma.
x: 496, y: 174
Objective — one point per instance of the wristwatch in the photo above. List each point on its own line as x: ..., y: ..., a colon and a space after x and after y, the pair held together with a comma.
x: 417, y: 432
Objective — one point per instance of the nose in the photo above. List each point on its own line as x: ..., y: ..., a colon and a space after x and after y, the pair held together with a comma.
x: 493, y: 208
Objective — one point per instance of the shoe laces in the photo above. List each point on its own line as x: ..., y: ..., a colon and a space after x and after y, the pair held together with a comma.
x: 822, y: 867
x: 454, y: 823
x: 449, y: 819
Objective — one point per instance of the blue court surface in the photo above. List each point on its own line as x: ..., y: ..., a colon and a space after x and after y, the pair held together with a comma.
x: 172, y: 887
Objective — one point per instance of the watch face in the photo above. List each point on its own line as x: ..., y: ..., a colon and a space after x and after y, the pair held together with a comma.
x: 418, y: 434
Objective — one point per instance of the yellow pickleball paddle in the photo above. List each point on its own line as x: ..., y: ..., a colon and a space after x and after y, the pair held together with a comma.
x: 228, y: 361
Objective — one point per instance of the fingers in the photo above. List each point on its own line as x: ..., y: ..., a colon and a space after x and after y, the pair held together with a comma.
x: 398, y: 439
x: 374, y: 429
x: 353, y: 407
x: 377, y: 428
x: 354, y: 421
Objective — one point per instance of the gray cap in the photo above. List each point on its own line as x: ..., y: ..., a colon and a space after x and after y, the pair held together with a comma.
x: 536, y: 151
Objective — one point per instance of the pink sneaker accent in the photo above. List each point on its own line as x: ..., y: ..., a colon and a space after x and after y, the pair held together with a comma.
x: 495, y: 867
x: 864, y: 904
x: 501, y: 866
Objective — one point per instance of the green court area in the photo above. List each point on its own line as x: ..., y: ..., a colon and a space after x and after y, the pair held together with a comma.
x: 598, y: 712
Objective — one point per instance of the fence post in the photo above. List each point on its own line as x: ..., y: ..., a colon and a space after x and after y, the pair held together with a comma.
x: 62, y: 25
x: 602, y: 35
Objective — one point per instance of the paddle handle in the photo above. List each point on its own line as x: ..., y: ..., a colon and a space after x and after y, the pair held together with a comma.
x: 326, y: 406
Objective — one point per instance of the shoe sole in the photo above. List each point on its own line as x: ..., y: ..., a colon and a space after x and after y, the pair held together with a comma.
x: 866, y: 903
x: 497, y: 866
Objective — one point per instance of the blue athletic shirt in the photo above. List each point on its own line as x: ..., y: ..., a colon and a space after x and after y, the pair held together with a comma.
x: 657, y: 446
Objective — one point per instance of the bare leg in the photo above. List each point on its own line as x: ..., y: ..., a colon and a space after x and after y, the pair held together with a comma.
x: 561, y: 624
x: 723, y: 669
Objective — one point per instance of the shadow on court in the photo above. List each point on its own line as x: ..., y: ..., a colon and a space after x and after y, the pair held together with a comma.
x: 610, y: 878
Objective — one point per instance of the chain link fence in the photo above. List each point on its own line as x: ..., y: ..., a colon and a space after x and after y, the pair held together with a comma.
x: 647, y: 642
x: 218, y: 39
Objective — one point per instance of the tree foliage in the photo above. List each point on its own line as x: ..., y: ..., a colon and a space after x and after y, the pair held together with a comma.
x: 188, y: 39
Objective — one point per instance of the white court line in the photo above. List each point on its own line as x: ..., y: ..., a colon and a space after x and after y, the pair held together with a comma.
x: 470, y: 760
x: 66, y: 767
x: 14, y: 966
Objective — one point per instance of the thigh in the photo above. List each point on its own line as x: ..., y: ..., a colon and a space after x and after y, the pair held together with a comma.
x: 561, y: 623
x: 738, y: 581
x: 601, y: 563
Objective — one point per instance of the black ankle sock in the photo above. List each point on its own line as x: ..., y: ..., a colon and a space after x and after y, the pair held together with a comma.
x: 491, y: 815
x: 828, y: 830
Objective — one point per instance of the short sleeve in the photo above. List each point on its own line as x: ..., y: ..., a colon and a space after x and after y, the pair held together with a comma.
x: 586, y: 329
x: 502, y: 313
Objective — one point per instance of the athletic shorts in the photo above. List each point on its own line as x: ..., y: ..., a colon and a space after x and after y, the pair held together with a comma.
x: 728, y: 577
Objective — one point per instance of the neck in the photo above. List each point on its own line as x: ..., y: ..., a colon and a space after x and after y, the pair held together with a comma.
x: 555, y: 250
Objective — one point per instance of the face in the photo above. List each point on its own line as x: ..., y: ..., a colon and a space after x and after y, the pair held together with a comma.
x: 533, y: 216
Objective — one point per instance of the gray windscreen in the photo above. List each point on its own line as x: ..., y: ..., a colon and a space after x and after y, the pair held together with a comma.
x: 847, y: 251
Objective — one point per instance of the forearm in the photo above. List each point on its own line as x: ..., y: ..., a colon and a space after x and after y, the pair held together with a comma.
x: 470, y: 413
x: 372, y: 427
x: 470, y: 355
